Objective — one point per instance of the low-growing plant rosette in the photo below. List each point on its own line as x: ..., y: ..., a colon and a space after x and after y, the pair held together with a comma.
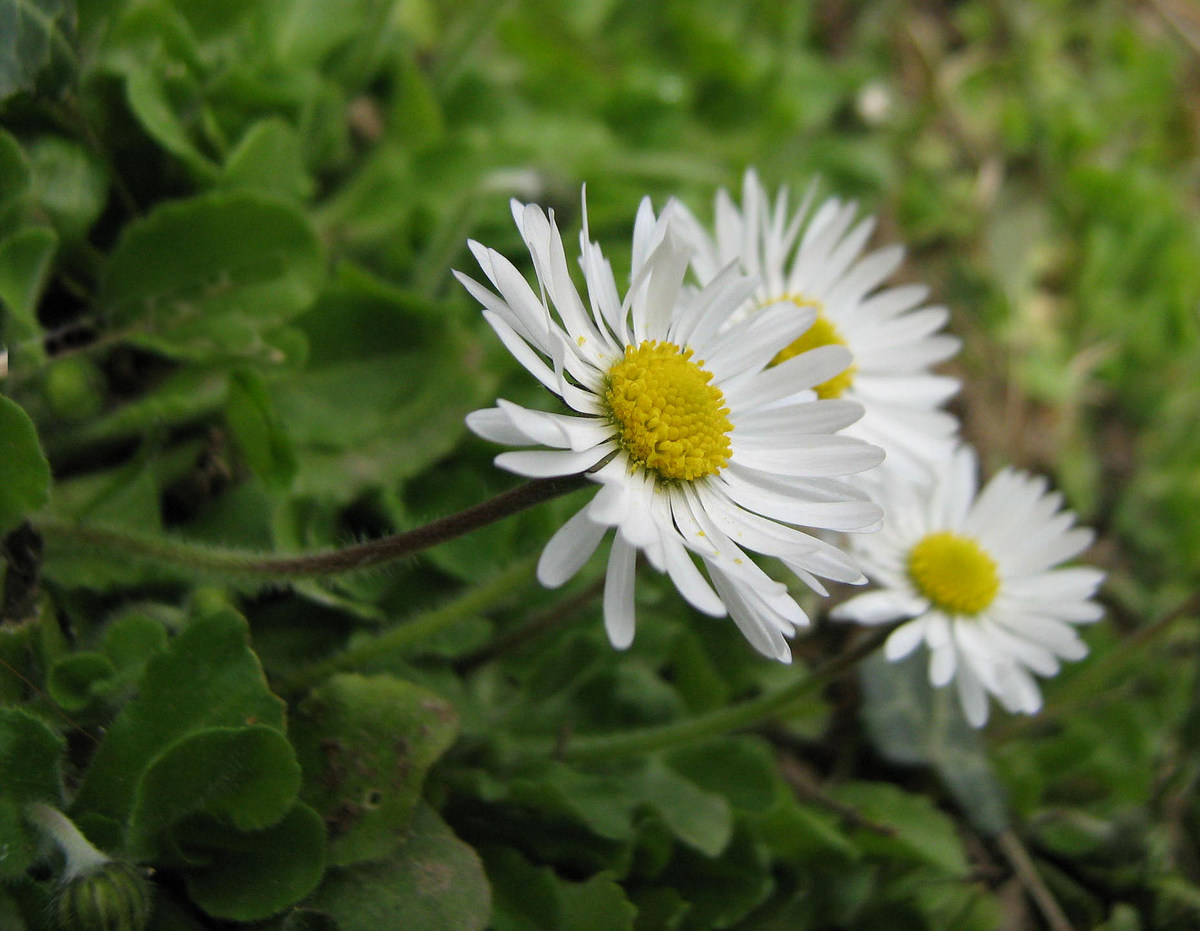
x: 674, y: 409
x: 979, y: 575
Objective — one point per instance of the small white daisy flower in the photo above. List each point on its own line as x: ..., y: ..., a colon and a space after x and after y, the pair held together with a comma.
x: 976, y: 573
x: 698, y: 447
x: 815, y: 261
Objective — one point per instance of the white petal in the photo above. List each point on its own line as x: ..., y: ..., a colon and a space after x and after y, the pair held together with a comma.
x: 536, y: 463
x: 880, y: 607
x: 690, y: 581
x: 521, y: 351
x: 972, y: 697
x: 570, y: 547
x: 904, y: 639
x: 493, y: 424
x: 816, y: 456
x: 619, y: 617
x: 942, y: 663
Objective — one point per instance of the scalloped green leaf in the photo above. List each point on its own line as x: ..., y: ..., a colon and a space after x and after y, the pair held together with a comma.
x: 24, y: 471
x: 207, y: 677
x: 252, y: 875
x: 75, y: 681
x: 246, y: 777
x: 366, y: 743
x: 31, y: 761
x: 211, y: 276
x: 435, y: 882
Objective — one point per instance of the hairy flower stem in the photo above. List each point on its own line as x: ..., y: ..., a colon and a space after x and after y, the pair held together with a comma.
x: 205, y: 560
x: 724, y: 720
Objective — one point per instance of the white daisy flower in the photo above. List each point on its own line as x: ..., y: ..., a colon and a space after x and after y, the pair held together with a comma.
x: 815, y: 261
x: 976, y: 573
x: 698, y: 448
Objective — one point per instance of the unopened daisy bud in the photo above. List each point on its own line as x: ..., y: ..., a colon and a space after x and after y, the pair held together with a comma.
x: 113, y: 897
x: 96, y: 892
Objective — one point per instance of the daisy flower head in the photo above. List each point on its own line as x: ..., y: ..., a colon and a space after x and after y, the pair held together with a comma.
x: 701, y: 450
x: 813, y: 260
x: 978, y: 576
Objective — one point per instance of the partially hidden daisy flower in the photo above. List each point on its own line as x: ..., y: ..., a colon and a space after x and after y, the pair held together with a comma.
x: 977, y: 574
x: 699, y: 448
x: 814, y: 260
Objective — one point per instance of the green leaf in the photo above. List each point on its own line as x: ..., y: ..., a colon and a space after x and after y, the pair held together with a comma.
x: 131, y: 639
x: 25, y: 261
x: 535, y: 898
x: 269, y: 159
x: 210, y: 277
x: 24, y: 471
x: 208, y: 677
x: 76, y: 681
x: 246, y: 777
x: 252, y: 875
x: 69, y: 183
x: 922, y: 833
x: 34, y: 34
x: 365, y: 744
x: 31, y: 761
x: 160, y: 94
x: 741, y: 770
x: 384, y: 395
x: 14, y: 179
x: 609, y: 804
x: 598, y: 904
x: 524, y: 896
x: 721, y: 890
x: 435, y: 883
x: 914, y: 724
x: 257, y: 428
x: 701, y: 819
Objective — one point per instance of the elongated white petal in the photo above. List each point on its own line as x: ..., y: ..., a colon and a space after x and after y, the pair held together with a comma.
x: 493, y: 424
x: 570, y: 547
x: 539, y: 464
x: 880, y: 607
x: 619, y: 619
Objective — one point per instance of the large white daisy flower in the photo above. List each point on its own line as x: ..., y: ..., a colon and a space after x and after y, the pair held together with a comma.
x: 698, y: 447
x: 815, y: 261
x: 977, y: 576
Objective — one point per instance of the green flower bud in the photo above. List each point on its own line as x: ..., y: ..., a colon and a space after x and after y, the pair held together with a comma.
x: 113, y: 897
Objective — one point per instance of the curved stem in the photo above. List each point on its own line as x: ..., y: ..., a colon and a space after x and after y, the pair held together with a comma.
x: 208, y: 560
x: 724, y: 720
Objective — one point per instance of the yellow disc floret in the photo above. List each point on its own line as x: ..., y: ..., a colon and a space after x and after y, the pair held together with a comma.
x: 821, y: 333
x: 671, y: 420
x: 954, y: 573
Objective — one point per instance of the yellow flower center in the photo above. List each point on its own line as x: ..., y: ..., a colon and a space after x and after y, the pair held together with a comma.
x: 954, y: 573
x: 821, y: 333
x: 672, y: 421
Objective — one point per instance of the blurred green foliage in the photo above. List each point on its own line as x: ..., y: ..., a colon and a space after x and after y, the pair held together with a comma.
x: 226, y: 236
